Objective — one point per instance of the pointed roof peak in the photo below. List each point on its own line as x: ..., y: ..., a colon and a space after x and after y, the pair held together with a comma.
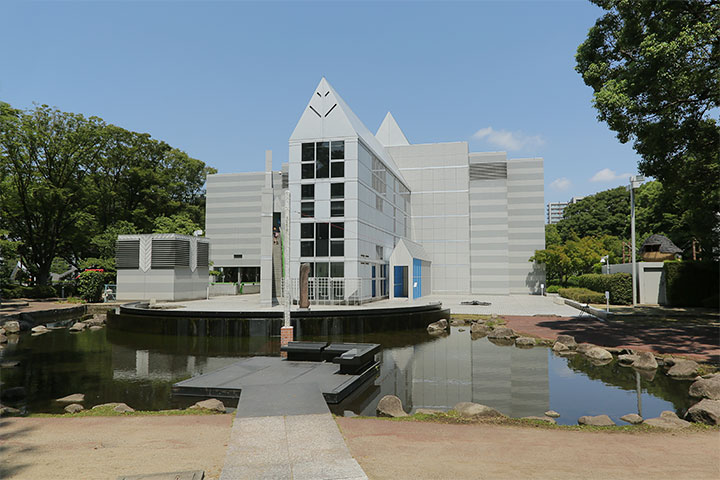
x: 389, y: 134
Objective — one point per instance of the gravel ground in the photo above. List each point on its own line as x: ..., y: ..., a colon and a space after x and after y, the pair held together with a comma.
x: 106, y: 447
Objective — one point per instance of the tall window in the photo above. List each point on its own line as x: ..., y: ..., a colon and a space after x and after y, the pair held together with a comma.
x: 323, y: 160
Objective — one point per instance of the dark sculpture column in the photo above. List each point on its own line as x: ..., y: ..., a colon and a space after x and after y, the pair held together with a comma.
x: 304, y: 274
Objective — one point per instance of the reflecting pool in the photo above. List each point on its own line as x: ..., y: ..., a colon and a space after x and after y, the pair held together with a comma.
x: 424, y: 371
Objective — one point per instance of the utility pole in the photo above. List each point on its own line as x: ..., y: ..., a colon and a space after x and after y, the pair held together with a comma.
x: 635, y: 182
x: 287, y: 334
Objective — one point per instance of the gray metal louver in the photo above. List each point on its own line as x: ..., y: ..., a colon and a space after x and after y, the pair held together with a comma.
x: 203, y: 254
x: 488, y: 171
x: 127, y: 254
x: 170, y: 253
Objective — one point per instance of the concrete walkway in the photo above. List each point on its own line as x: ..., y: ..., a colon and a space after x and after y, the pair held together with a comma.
x: 499, y: 304
x: 287, y: 432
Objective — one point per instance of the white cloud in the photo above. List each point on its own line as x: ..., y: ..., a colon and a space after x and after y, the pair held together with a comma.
x: 607, y: 175
x: 509, y: 140
x: 562, y: 183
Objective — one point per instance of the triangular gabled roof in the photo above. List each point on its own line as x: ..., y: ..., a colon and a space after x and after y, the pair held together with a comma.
x: 413, y: 248
x: 328, y: 116
x: 390, y: 134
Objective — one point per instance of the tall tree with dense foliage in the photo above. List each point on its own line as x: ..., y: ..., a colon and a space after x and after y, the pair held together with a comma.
x: 575, y: 257
x: 654, y: 67
x: 69, y: 184
x: 605, y: 213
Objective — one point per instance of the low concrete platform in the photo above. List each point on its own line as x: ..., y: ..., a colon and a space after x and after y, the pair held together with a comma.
x: 247, y: 375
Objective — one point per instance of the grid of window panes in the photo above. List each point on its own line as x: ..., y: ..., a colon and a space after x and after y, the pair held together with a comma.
x: 322, y: 240
x: 392, y: 197
x: 323, y: 159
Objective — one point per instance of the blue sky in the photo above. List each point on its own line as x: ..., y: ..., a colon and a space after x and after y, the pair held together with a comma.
x: 225, y: 81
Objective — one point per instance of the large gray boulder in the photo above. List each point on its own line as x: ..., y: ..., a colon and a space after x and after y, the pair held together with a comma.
x: 552, y: 414
x: 706, y: 388
x: 502, y: 333
x: 705, y: 411
x: 568, y: 341
x: 470, y: 409
x: 441, y: 326
x: 78, y: 327
x: 478, y: 330
x: 12, y: 326
x: 6, y: 411
x: 39, y: 329
x: 390, y: 406
x: 74, y: 398
x: 596, y: 421
x: 683, y: 369
x: 524, y: 342
x: 212, y: 404
x: 627, y: 359
x: 667, y: 419
x: 584, y: 347
x: 96, y: 320
x: 74, y: 408
x: 123, y: 408
x: 597, y: 353
x: 3, y: 338
x: 645, y: 361
x: 632, y: 418
x: 560, y: 347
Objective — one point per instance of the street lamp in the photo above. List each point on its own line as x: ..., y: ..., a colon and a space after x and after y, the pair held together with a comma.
x: 635, y: 182
x: 606, y: 261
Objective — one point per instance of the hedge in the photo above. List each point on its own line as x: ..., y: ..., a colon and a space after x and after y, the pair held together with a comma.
x: 692, y: 284
x: 553, y: 289
x: 618, y: 284
x: 582, y: 295
x: 22, y: 291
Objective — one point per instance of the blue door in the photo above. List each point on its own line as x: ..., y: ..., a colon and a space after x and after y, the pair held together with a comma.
x: 373, y: 280
x: 417, y: 278
x: 399, y: 276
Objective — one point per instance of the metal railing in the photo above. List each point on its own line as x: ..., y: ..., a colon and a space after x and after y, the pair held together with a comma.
x: 336, y: 291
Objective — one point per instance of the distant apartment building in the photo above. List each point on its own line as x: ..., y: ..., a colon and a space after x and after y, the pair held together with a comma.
x: 376, y: 216
x: 556, y: 210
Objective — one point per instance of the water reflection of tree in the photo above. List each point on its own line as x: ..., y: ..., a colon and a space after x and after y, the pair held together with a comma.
x: 661, y: 386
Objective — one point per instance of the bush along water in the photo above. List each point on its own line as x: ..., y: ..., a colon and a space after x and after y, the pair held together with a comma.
x: 90, y: 286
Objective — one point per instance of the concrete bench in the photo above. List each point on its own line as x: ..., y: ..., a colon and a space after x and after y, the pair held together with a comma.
x: 355, y: 357
x: 304, y: 351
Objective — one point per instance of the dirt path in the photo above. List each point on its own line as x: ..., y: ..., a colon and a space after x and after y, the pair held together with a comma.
x: 418, y: 451
x: 105, y: 447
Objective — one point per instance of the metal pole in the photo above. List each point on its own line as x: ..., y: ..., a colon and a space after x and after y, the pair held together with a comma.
x: 632, y: 241
x: 286, y: 254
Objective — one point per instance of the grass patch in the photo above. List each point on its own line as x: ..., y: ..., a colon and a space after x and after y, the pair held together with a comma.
x: 109, y: 412
x: 452, y: 418
x: 72, y: 300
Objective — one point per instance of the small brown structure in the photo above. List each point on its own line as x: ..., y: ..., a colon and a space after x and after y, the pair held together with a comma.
x: 304, y: 274
x: 658, y: 248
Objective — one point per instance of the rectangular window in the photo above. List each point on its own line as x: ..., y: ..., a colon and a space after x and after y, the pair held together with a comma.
x: 337, y: 209
x: 322, y: 168
x: 337, y: 169
x: 307, y: 209
x: 308, y: 170
x: 379, y: 252
x: 308, y: 152
x: 337, y: 269
x: 322, y: 236
x: 307, y: 230
x: 306, y: 249
x: 323, y: 152
x: 337, y: 230
x: 321, y: 269
x: 379, y: 202
x: 338, y: 150
x: 307, y: 191
x: 337, y: 248
x: 337, y: 190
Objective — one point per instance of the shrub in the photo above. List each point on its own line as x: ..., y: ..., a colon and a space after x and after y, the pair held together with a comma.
x: 22, y: 291
x: 573, y: 281
x: 66, y: 289
x: 692, y: 284
x: 90, y: 286
x: 582, y: 295
x: 553, y: 289
x: 618, y: 284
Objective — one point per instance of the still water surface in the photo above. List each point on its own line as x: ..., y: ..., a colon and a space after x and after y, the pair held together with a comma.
x: 424, y: 371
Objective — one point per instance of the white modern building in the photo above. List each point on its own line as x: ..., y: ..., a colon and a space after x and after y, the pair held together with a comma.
x: 376, y: 216
x: 556, y: 210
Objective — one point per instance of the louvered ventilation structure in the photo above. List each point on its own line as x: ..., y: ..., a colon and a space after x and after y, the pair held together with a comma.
x: 488, y: 171
x: 170, y: 253
x: 128, y: 254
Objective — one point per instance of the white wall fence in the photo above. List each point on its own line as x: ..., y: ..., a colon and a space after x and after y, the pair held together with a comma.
x: 338, y: 291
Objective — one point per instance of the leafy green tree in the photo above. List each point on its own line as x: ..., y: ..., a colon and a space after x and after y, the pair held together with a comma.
x: 104, y: 242
x: 180, y: 223
x: 552, y: 236
x: 654, y: 70
x: 575, y: 257
x: 46, y: 155
x: 605, y: 213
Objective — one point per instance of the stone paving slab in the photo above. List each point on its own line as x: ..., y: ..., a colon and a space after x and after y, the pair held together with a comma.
x: 280, y: 400
x: 300, y: 447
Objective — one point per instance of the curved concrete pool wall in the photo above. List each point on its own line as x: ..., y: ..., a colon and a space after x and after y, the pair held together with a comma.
x: 136, y: 317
